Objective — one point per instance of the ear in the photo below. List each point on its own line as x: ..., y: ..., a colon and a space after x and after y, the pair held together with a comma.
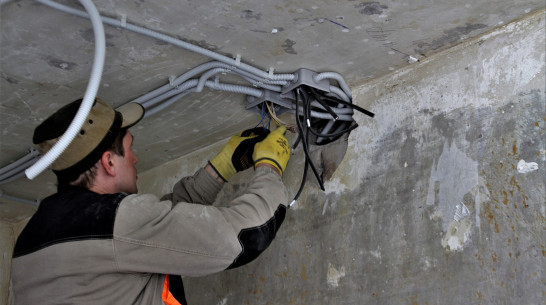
x: 108, y: 163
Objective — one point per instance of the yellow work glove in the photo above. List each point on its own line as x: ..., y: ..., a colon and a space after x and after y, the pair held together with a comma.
x: 274, y: 150
x: 237, y: 153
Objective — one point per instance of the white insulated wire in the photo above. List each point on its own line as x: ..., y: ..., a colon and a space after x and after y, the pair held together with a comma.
x: 88, y: 99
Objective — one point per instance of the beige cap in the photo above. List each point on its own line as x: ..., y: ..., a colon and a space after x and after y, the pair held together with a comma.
x: 97, y: 134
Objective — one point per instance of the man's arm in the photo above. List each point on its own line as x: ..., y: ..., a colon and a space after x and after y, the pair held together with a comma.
x: 194, y: 239
x: 201, y: 188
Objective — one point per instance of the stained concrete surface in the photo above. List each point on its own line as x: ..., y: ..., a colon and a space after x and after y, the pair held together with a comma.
x: 46, y: 57
x: 428, y: 205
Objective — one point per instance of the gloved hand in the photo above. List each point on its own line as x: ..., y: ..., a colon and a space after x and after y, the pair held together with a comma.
x: 274, y: 150
x: 237, y: 153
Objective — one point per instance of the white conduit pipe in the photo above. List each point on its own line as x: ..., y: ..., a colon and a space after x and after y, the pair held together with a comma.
x: 338, y: 78
x: 89, y: 97
x: 171, y: 40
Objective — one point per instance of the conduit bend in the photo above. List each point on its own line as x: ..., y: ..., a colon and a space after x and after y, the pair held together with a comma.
x: 338, y: 78
x: 89, y: 97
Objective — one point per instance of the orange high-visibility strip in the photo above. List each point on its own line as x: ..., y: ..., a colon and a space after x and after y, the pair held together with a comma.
x: 167, y: 297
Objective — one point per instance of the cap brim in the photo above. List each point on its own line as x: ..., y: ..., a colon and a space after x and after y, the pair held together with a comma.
x: 132, y: 113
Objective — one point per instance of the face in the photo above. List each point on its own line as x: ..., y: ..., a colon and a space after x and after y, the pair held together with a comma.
x: 126, y: 173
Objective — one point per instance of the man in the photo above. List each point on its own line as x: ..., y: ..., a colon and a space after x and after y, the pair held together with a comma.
x: 97, y: 242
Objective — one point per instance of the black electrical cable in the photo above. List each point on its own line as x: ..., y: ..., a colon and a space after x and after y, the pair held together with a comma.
x: 304, y: 122
x: 304, y: 137
x: 306, y: 142
x: 321, y: 99
x: 339, y: 101
x: 326, y: 106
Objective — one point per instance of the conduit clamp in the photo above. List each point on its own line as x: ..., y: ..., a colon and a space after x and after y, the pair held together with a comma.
x: 172, y: 78
x: 307, y: 77
x: 123, y: 22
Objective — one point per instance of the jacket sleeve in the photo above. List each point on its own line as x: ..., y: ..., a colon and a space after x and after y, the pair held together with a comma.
x: 186, y: 239
x: 200, y: 188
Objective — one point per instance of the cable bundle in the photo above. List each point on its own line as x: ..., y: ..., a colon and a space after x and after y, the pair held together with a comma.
x: 321, y: 118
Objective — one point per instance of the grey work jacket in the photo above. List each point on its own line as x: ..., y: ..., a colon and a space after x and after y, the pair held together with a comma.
x: 87, y: 248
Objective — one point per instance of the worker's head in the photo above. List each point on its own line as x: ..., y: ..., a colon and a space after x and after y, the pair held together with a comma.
x: 104, y: 134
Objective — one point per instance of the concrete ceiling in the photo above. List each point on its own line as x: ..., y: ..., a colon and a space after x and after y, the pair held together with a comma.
x: 46, y: 57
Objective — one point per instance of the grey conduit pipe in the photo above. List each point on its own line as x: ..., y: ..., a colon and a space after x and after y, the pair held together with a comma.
x: 171, y: 40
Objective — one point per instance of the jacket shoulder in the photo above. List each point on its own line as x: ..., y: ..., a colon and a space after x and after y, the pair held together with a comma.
x: 71, y: 215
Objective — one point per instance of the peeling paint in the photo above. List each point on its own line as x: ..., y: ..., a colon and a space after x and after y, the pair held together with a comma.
x: 454, y: 176
x: 461, y: 211
x: 457, y: 236
x: 526, y: 167
x: 334, y: 186
x: 334, y: 276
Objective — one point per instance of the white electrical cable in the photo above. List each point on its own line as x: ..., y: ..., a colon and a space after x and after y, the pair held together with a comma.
x: 89, y: 97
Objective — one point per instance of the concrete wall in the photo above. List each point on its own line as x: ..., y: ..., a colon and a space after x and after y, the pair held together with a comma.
x: 430, y: 205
